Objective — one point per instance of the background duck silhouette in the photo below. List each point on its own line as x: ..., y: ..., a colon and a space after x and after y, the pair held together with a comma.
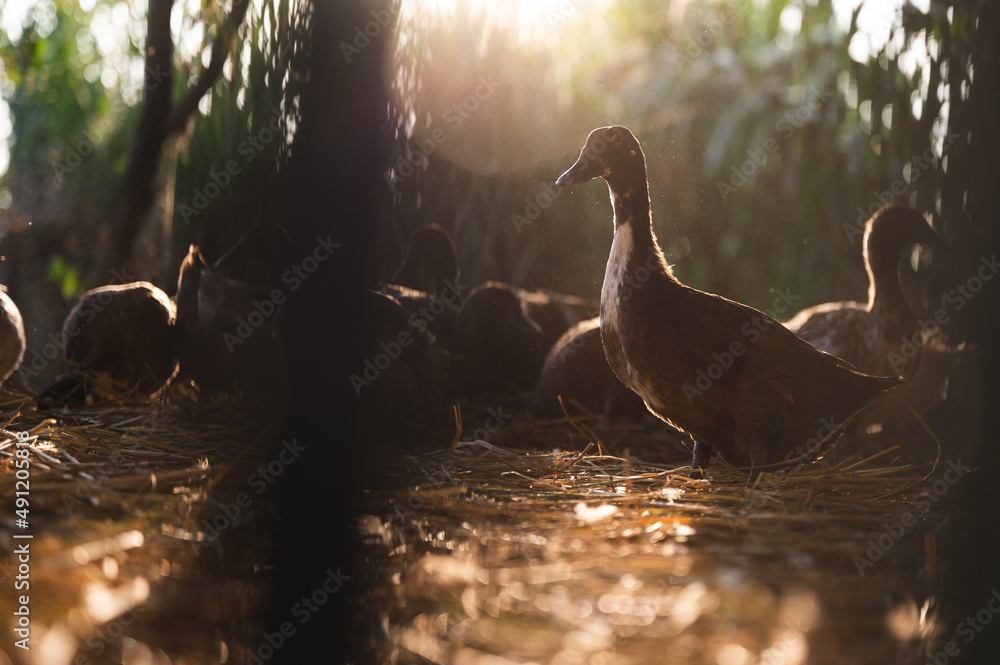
x: 400, y: 373
x: 118, y: 339
x: 577, y: 370
x: 426, y: 284
x: 225, y: 337
x: 431, y: 254
x: 871, y: 335
x: 767, y: 395
x: 11, y: 335
x: 499, y: 348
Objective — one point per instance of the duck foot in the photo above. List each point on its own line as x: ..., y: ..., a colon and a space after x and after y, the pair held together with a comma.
x: 699, y: 461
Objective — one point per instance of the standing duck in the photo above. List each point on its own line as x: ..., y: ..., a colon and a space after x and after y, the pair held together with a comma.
x: 118, y: 339
x: 11, y: 336
x: 871, y: 335
x: 727, y: 374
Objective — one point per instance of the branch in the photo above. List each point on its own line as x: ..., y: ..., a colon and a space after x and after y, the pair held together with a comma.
x: 220, y: 52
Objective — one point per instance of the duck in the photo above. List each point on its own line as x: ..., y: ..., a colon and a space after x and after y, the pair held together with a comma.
x: 881, y: 336
x: 577, y: 370
x: 430, y: 251
x: 400, y: 373
x: 503, y: 334
x: 12, y: 341
x: 226, y: 343
x: 556, y: 312
x: 730, y: 376
x: 118, y: 340
x: 498, y: 347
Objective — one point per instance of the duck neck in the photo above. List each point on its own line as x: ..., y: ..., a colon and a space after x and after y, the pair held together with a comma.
x: 885, y: 290
x: 630, y: 200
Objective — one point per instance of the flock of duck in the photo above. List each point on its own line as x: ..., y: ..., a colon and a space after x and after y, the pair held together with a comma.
x: 129, y: 340
x: 758, y: 392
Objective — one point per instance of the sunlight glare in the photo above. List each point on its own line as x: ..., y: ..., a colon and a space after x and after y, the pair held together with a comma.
x: 528, y: 20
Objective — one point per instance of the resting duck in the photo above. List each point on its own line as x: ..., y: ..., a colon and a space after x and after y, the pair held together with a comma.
x: 431, y: 250
x: 499, y: 348
x: 399, y: 373
x: 225, y: 332
x: 870, y: 335
x: 577, y: 370
x: 729, y: 375
x: 11, y: 335
x: 118, y: 339
x: 503, y: 333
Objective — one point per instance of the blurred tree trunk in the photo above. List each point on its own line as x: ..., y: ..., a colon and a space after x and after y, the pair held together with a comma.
x: 971, y: 201
x: 333, y: 188
x: 159, y: 120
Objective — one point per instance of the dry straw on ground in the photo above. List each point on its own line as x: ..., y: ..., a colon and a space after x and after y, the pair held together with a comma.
x: 552, y: 542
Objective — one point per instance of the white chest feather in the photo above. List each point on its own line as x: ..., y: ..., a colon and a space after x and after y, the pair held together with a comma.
x: 621, y: 251
x: 614, y: 294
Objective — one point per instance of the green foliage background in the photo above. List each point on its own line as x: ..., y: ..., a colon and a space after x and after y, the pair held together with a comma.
x: 700, y: 88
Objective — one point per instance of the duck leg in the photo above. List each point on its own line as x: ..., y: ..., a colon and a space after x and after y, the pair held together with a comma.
x: 702, y: 453
x: 758, y: 458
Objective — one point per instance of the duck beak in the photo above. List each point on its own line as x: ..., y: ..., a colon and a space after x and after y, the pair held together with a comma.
x: 586, y: 168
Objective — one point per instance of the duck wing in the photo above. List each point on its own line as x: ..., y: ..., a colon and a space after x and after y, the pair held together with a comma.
x: 732, y: 375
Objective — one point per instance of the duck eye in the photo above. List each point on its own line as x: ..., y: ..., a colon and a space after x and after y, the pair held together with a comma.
x: 631, y: 153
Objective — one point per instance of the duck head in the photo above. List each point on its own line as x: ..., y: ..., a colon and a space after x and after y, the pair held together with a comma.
x: 431, y: 247
x: 895, y: 227
x: 611, y: 153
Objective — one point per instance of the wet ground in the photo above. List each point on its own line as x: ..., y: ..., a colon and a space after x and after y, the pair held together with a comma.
x: 554, y: 542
